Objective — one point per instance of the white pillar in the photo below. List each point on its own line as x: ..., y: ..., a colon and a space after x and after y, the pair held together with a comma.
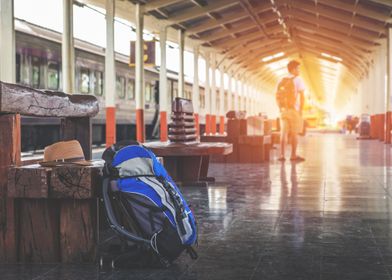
x: 389, y: 71
x: 7, y: 41
x: 236, y: 94
x: 110, y: 72
x: 222, y: 94
x: 222, y: 103
x: 207, y: 94
x: 195, y: 87
x: 242, y: 94
x: 110, y: 75
x: 181, y: 43
x: 213, y: 84
x: 139, y: 74
x: 229, y: 93
x: 213, y: 93
x: 67, y: 48
x: 163, y: 94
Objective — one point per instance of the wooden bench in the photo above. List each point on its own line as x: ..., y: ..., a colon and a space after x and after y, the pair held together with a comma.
x: 250, y: 137
x: 186, y: 159
x: 46, y: 214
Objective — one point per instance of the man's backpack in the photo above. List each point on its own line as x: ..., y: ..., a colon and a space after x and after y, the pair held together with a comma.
x: 150, y: 201
x: 285, y: 94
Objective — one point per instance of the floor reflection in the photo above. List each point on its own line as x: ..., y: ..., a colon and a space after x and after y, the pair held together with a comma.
x: 326, y: 218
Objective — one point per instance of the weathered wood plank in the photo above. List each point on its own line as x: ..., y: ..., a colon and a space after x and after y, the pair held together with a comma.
x: 9, y: 156
x: 76, y: 182
x: 38, y: 230
x: 79, y: 129
x: 29, y: 181
x: 28, y: 101
x: 78, y: 231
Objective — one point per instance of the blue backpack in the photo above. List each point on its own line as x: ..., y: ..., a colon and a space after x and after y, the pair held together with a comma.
x: 156, y: 213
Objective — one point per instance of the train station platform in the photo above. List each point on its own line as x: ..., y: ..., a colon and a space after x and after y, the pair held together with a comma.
x: 326, y: 218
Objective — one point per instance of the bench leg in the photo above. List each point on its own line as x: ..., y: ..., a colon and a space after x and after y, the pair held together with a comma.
x: 78, y: 230
x: 185, y: 171
x: 38, y: 231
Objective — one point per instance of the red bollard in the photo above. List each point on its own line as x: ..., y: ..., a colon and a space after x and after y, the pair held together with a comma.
x: 388, y: 127
x: 381, y: 127
x: 372, y: 127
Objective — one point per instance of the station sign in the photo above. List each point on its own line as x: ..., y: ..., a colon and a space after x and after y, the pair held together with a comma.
x: 149, y: 53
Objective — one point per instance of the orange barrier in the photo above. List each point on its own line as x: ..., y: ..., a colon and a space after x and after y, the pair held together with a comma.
x: 222, y: 125
x: 207, y: 128
x: 373, y: 127
x: 197, y: 124
x: 110, y: 126
x: 213, y: 124
x: 388, y: 127
x: 381, y: 127
x: 140, y: 126
x: 163, y: 126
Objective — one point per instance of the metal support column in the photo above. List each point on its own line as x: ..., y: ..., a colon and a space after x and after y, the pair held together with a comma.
x: 7, y: 41
x: 181, y: 44
x: 139, y: 75
x: 67, y: 48
x: 110, y: 75
x: 195, y: 88
x: 213, y: 93
x: 163, y: 94
x: 389, y: 88
x: 222, y: 103
x: 207, y: 95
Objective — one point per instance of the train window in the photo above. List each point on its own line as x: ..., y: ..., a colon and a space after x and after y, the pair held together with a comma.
x: 84, y: 80
x: 35, y: 69
x: 53, y: 75
x: 97, y: 83
x: 202, y: 101
x: 120, y: 87
x: 17, y: 64
x: 148, y: 93
x: 131, y: 89
x: 25, y: 70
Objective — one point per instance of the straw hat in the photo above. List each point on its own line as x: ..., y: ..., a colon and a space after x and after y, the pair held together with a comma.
x: 64, y: 153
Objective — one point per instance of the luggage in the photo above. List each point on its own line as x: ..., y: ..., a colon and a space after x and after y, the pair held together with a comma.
x: 144, y: 206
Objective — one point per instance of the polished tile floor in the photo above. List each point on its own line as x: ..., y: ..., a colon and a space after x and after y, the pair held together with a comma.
x: 329, y: 217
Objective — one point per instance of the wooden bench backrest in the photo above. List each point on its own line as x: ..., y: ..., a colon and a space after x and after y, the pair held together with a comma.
x: 75, y: 112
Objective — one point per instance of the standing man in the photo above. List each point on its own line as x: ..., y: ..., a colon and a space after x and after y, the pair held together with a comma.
x: 290, y: 99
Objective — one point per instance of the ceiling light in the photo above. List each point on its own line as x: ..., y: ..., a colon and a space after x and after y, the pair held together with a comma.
x: 270, y: 57
x: 332, y: 57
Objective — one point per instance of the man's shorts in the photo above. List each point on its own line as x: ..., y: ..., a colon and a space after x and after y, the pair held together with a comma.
x: 291, y: 121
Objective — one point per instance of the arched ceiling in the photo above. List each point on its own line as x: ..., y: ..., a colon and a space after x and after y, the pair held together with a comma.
x: 335, y: 40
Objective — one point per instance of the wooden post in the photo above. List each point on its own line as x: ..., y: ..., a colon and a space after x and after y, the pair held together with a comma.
x: 9, y: 156
x: 79, y: 129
